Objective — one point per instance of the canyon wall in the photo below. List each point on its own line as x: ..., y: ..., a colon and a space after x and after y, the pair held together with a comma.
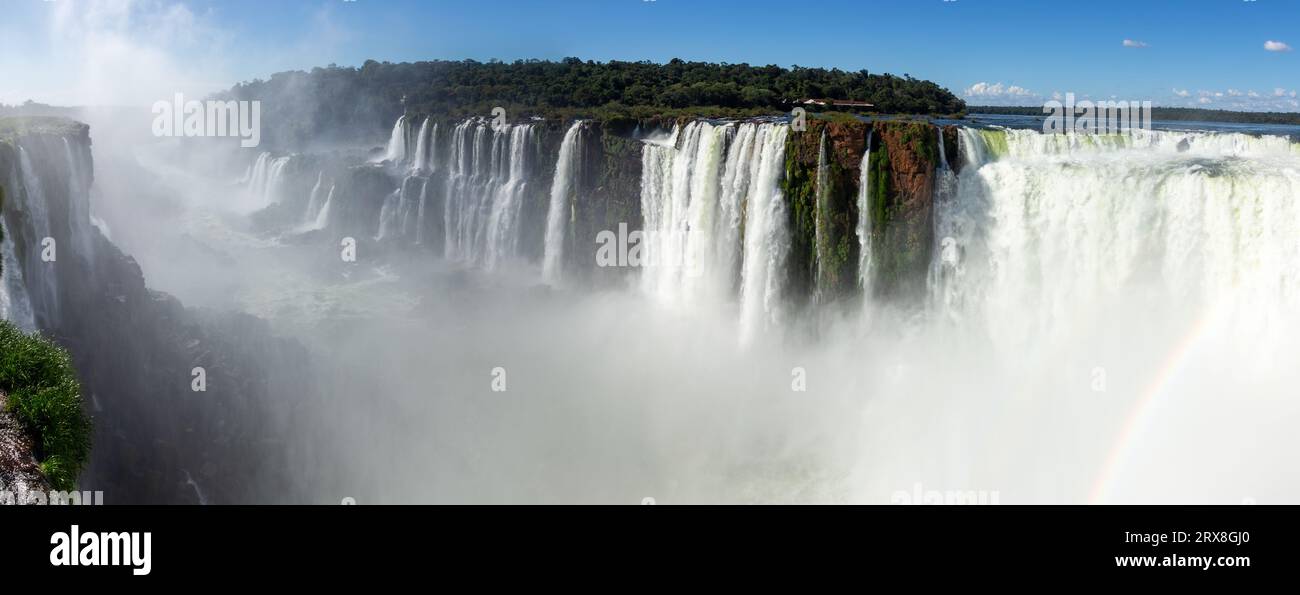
x: 134, y: 349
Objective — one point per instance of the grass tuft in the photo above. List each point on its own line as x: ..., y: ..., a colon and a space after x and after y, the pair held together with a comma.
x: 45, y: 396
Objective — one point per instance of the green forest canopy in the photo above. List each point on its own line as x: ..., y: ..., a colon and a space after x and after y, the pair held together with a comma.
x: 298, y: 104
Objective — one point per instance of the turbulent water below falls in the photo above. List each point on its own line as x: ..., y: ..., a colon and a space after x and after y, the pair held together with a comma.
x: 1105, y: 319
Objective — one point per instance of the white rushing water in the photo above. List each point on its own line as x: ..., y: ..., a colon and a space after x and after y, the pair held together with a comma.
x: 680, y: 188
x: 15, y: 304
x: 398, y: 142
x: 503, y: 220
x: 557, y: 211
x: 266, y: 178
x: 864, y: 217
x: 700, y: 188
x: 316, y: 201
x: 821, y: 218
x: 45, y: 290
x: 767, y: 236
x: 79, y: 180
x: 422, y: 157
x: 488, y: 173
x: 1045, y: 224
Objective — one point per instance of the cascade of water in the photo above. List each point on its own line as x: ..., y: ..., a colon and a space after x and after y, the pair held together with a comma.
x: 503, y: 222
x: 767, y: 235
x: 557, y: 213
x: 488, y: 171
x: 458, y: 167
x: 266, y: 179
x: 419, y: 217
x: 701, y: 188
x: 45, y: 289
x: 1042, y: 226
x: 317, y: 200
x: 398, y: 142
x: 15, y: 304
x: 945, y: 264
x: 821, y: 208
x: 421, y: 160
x: 388, y: 215
x: 679, y: 191
x: 734, y: 188
x: 322, y: 219
x: 79, y: 180
x: 864, y: 228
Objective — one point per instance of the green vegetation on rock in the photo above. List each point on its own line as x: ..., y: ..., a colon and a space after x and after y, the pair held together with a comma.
x: 45, y: 396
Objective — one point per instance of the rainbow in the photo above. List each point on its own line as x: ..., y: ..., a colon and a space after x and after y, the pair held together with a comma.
x: 1156, y: 392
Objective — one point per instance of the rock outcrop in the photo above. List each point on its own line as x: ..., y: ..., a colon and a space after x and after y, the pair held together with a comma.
x: 135, y: 349
x: 19, y: 472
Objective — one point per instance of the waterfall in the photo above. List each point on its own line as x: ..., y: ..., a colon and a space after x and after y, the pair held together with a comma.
x: 322, y: 218
x: 1042, y: 227
x: 864, y: 219
x: 734, y: 188
x: 701, y: 188
x: 419, y: 216
x: 421, y: 161
x: 79, y: 180
x: 388, y: 215
x: 821, y: 219
x: 400, y: 210
x: 398, y: 142
x: 945, y: 262
x: 46, y: 300
x: 266, y: 178
x: 15, y: 304
x: 487, y: 177
x: 680, y: 194
x: 767, y: 237
x: 503, y: 223
x: 317, y: 200
x: 557, y: 213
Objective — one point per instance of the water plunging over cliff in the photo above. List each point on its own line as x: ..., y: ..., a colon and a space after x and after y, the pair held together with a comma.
x: 266, y: 178
x: 1044, y: 225
x: 864, y: 218
x: 42, y: 278
x: 422, y: 157
x: 557, y: 213
x: 398, y: 142
x: 821, y: 215
x: 767, y: 241
x: 699, y: 189
x: 15, y: 304
x: 488, y: 174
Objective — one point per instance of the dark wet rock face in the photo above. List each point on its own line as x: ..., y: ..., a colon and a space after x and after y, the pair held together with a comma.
x: 134, y: 349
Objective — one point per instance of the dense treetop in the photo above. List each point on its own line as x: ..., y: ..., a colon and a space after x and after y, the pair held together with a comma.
x: 371, y: 96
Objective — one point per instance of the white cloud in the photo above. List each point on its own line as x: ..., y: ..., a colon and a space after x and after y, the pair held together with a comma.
x: 996, y: 89
x: 1276, y: 46
x: 1132, y: 43
x: 1279, y: 100
x: 983, y: 93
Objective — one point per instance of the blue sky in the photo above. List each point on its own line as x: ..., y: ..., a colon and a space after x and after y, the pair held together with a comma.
x: 1209, y: 53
